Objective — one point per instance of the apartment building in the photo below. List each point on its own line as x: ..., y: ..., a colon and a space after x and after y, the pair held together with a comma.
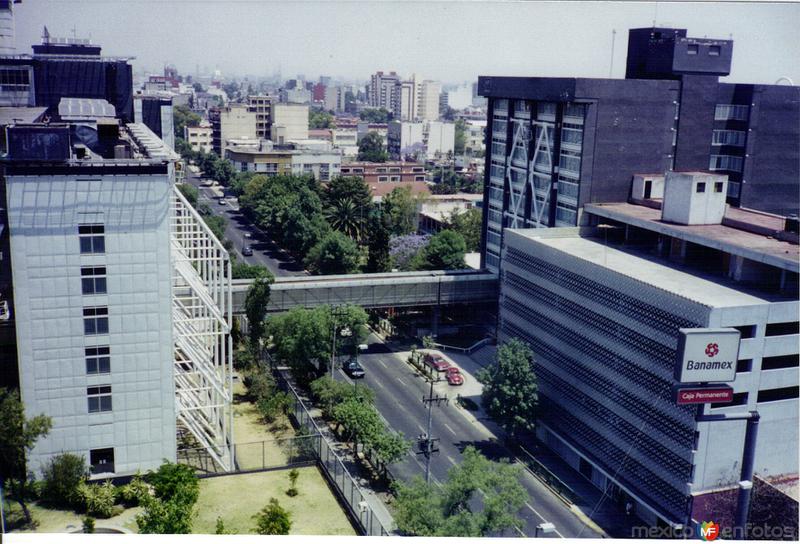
x: 262, y: 106
x: 233, y: 122
x: 384, y: 92
x: 289, y: 122
x: 272, y: 160
x: 429, y: 140
x: 385, y: 172
x: 199, y: 138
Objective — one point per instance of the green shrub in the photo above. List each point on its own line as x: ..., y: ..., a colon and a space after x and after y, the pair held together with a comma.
x: 98, y: 500
x: 135, y: 492
x: 273, y: 406
x: 260, y: 384
x: 60, y: 479
x: 88, y: 524
x: 273, y: 520
x: 175, y: 482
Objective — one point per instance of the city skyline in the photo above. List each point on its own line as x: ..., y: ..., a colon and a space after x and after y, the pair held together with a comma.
x: 423, y: 46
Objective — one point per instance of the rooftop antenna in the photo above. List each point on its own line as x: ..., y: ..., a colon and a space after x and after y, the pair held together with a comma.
x: 45, y: 35
x: 613, y: 39
x: 655, y: 14
x: 74, y: 32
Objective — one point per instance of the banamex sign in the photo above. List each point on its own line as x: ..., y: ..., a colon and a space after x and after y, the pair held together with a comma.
x: 707, y: 355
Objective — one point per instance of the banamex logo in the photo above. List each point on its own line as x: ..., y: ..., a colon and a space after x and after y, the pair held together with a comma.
x: 712, y: 349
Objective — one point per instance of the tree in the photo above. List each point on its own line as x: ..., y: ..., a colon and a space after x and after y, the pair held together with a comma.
x: 378, y: 236
x: 360, y: 422
x: 348, y: 203
x: 255, y: 307
x: 376, y: 115
x: 461, y: 137
x: 216, y: 224
x: 493, y: 487
x: 198, y: 87
x: 390, y: 447
x: 404, y: 249
x: 18, y: 436
x: 61, y: 476
x: 182, y: 117
x: 320, y: 119
x: 190, y: 192
x: 334, y: 254
x: 293, y: 475
x: 445, y: 251
x: 241, y: 271
x: 170, y: 509
x: 371, y: 148
x: 510, y: 390
x: 273, y: 519
x: 402, y: 207
x: 468, y: 224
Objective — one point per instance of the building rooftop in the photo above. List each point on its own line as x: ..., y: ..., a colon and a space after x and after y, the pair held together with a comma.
x: 380, y: 190
x: 712, y: 291
x: 755, y: 246
x: 11, y: 115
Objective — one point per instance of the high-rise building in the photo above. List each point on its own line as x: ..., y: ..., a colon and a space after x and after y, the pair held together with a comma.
x: 418, y: 141
x: 384, y: 91
x: 289, y: 122
x: 556, y: 144
x: 428, y: 102
x: 262, y: 106
x: 66, y: 68
x: 234, y: 122
x: 602, y: 306
x: 107, y: 290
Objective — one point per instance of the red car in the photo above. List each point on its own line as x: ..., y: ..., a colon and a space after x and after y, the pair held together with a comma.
x: 454, y: 376
x: 436, y: 362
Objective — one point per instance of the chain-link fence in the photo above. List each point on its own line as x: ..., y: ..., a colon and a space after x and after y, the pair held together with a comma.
x: 334, y: 468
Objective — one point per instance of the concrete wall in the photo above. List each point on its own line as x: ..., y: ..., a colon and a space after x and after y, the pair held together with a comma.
x: 44, y: 214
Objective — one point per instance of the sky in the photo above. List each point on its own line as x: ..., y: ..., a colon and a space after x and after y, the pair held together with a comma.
x: 449, y: 41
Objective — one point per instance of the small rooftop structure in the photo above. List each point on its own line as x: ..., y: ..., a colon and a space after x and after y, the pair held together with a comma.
x: 12, y: 115
x: 72, y: 109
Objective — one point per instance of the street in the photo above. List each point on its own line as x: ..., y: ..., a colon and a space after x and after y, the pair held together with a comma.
x: 398, y: 398
x: 237, y: 227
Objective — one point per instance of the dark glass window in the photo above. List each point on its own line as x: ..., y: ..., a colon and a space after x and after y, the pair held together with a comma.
x: 95, y: 321
x: 781, y: 361
x: 693, y: 49
x: 718, y: 186
x: 739, y: 399
x: 781, y: 329
x: 93, y: 280
x: 99, y: 398
x: 92, y: 238
x: 98, y: 360
x: 781, y: 393
x: 714, y: 50
x: 101, y: 460
x: 701, y: 187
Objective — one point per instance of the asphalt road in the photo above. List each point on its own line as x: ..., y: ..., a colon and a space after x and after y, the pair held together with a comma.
x: 398, y: 397
x: 237, y: 229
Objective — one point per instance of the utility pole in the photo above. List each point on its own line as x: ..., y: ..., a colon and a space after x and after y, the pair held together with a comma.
x: 336, y: 313
x: 427, y: 442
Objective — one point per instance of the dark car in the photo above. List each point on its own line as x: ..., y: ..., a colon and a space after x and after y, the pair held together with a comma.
x: 353, y: 369
x: 247, y: 251
x: 436, y: 362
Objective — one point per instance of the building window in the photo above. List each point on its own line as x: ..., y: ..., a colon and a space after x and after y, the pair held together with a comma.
x: 729, y: 137
x: 92, y: 238
x: 734, y: 112
x: 739, y: 399
x: 394, y: 178
x: 744, y: 365
x: 98, y: 360
x: 782, y: 329
x: 701, y: 187
x: 99, y: 398
x: 714, y: 50
x: 726, y: 162
x: 381, y: 170
x: 718, y: 186
x: 14, y: 79
x: 746, y: 331
x: 95, y: 321
x: 781, y: 393
x: 383, y: 178
x: 101, y: 461
x: 93, y: 280
x: 780, y: 361
x: 693, y: 49
x: 419, y: 178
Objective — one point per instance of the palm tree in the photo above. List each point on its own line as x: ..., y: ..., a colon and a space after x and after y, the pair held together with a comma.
x: 346, y: 217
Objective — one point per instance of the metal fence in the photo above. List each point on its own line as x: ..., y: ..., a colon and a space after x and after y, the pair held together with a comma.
x: 261, y: 455
x: 334, y: 468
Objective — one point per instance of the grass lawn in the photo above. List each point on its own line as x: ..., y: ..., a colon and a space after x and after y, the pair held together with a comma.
x: 49, y: 520
x: 258, y: 445
x: 237, y: 498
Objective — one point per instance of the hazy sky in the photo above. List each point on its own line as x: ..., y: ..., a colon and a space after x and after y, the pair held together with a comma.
x: 448, y: 40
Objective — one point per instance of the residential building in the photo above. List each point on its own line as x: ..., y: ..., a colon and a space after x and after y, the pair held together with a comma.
x: 558, y: 144
x: 262, y: 106
x: 345, y: 139
x: 475, y: 138
x: 236, y: 121
x: 385, y: 172
x: 379, y: 191
x: 364, y: 128
x: 334, y: 99
x: 601, y: 307
x: 435, y: 212
x: 428, y: 103
x: 272, y: 160
x: 294, y: 96
x: 431, y: 139
x: 289, y: 122
x: 384, y: 92
x: 199, y: 138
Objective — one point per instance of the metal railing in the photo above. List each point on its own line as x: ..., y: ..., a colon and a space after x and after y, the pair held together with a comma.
x: 543, y: 474
x: 334, y: 468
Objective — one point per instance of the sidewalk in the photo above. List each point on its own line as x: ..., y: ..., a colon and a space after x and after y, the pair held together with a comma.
x: 608, y: 518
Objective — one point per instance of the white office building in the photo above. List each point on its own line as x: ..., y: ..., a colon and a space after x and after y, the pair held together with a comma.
x: 121, y: 322
x: 601, y: 306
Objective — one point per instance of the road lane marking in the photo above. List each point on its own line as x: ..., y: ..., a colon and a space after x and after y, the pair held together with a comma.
x: 379, y: 384
x: 449, y: 429
x: 382, y: 363
x: 451, y: 459
x: 401, y: 381
x: 542, y: 517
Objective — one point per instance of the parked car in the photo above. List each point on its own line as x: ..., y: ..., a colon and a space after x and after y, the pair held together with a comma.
x: 248, y: 234
x: 454, y: 376
x: 247, y: 251
x: 353, y: 369
x: 436, y: 362
x: 222, y: 202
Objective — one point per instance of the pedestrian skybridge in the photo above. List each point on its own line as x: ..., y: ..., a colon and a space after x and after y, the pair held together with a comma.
x: 384, y: 290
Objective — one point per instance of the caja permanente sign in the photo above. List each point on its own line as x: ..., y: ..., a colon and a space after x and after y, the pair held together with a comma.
x: 707, y: 355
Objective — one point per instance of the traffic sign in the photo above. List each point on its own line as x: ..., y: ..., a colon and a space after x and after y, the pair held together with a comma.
x: 703, y: 395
